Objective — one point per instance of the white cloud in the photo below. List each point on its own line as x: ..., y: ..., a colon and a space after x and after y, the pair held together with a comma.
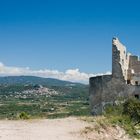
x: 73, y: 75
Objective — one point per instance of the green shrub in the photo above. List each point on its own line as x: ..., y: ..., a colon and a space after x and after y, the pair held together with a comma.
x: 126, y: 114
x: 115, y: 110
x: 132, y: 108
x: 24, y: 116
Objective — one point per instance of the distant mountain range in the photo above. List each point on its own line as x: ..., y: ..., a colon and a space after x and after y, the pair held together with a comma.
x: 11, y: 80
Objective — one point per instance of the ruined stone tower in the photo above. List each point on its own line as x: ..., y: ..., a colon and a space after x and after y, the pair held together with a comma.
x: 123, y: 82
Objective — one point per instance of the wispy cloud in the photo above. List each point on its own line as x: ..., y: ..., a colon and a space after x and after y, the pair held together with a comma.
x: 74, y: 75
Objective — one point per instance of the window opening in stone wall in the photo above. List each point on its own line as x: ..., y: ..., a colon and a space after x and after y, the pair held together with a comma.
x: 137, y: 96
x: 123, y: 61
x: 136, y: 82
x: 128, y: 82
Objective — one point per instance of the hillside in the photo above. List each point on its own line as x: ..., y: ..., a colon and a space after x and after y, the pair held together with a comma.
x: 11, y: 80
x: 41, y: 97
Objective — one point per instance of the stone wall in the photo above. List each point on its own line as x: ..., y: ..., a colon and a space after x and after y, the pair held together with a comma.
x: 134, y: 64
x: 120, y: 59
x: 106, y: 89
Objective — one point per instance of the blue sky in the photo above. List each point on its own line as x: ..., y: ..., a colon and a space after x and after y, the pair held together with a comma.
x: 66, y: 34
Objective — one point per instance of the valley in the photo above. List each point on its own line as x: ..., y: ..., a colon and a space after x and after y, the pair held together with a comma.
x: 50, y: 100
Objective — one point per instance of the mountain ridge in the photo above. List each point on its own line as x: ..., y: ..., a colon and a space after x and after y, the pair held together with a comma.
x: 11, y: 80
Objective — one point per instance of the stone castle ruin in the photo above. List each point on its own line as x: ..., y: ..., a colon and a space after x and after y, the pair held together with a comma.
x: 123, y: 82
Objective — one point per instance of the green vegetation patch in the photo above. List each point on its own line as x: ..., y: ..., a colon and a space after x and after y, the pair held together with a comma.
x: 17, y: 104
x: 126, y: 115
